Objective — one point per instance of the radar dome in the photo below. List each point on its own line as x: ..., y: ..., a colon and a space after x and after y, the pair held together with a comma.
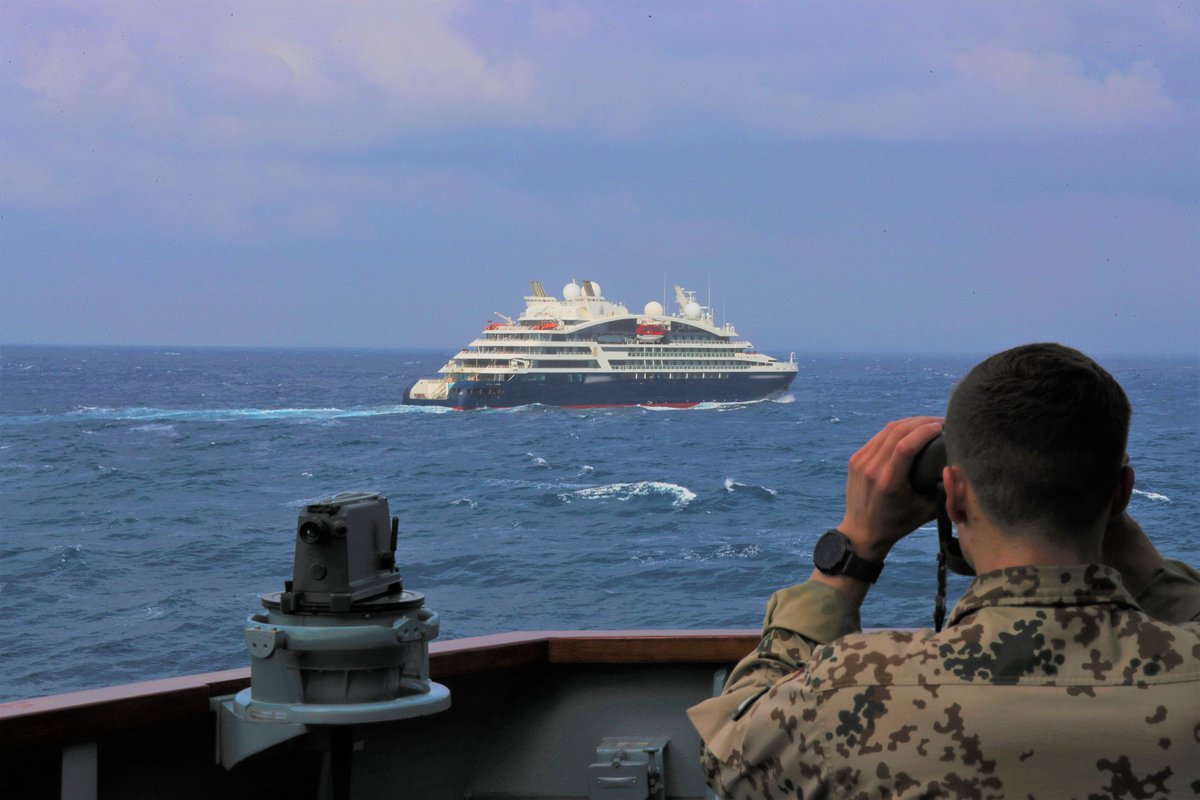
x: 692, y: 310
x: 596, y: 289
x: 571, y: 292
x: 653, y: 309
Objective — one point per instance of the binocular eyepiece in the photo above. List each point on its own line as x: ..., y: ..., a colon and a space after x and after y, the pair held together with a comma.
x: 926, y: 471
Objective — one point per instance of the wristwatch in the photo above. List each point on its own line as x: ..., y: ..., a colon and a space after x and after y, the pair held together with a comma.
x: 834, y: 555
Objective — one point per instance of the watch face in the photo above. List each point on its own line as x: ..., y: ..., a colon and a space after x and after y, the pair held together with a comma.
x: 830, y: 551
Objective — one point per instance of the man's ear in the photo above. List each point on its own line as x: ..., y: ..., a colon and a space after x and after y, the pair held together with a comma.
x: 1123, y: 491
x: 955, y: 482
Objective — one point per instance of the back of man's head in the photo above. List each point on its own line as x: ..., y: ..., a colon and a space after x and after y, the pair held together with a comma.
x: 1040, y: 431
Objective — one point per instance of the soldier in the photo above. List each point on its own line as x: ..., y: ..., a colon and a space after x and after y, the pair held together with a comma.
x: 1050, y: 680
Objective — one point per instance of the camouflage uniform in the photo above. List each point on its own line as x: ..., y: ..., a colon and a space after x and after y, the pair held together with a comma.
x: 1049, y: 682
x: 1173, y: 594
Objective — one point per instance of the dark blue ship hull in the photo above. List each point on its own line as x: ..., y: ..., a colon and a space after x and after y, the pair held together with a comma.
x: 607, y: 390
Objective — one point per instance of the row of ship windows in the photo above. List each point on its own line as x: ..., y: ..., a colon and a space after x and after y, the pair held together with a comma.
x: 658, y: 363
x: 480, y: 363
x: 612, y: 338
x: 551, y: 351
x: 639, y: 376
x: 617, y: 364
x: 673, y: 376
x: 675, y: 351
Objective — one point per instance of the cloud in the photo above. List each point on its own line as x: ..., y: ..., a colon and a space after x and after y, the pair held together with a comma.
x: 215, y: 112
x: 987, y: 91
x: 252, y: 74
x: 1025, y: 92
x: 308, y: 75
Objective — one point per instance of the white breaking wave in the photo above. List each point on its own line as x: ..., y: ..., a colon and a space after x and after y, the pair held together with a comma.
x: 738, y: 551
x: 156, y: 427
x: 732, y: 486
x: 627, y: 491
x: 1155, y: 496
x: 723, y: 551
x: 705, y: 406
x: 138, y: 414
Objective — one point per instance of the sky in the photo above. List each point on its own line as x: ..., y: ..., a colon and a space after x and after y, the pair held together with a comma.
x: 929, y: 177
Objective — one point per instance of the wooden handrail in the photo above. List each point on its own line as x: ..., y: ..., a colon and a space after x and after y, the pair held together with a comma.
x: 85, y: 715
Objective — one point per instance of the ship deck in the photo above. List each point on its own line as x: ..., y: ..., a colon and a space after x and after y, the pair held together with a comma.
x: 528, y: 712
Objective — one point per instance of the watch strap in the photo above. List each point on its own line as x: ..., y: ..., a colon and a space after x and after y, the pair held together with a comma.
x: 861, y: 568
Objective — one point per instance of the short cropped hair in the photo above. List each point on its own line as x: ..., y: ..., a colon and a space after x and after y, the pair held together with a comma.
x: 1040, y: 431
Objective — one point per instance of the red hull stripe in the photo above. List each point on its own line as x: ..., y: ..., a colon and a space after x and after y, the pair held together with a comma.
x: 608, y: 405
x: 633, y: 405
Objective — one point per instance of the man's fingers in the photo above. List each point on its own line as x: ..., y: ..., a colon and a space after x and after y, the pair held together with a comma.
x: 890, y: 453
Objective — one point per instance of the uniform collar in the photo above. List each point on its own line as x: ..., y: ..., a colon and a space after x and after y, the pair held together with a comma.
x: 1084, y: 584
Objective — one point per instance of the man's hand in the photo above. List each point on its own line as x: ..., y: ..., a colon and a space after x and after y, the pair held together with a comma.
x: 881, y: 507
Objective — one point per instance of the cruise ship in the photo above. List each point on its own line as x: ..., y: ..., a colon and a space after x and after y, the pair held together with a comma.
x: 584, y: 351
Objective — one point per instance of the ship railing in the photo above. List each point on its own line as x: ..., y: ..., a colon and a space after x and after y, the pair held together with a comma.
x: 650, y: 367
x: 79, y: 730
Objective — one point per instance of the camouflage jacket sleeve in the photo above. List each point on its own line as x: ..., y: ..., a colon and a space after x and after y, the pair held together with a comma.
x: 798, y: 619
x: 1173, y: 594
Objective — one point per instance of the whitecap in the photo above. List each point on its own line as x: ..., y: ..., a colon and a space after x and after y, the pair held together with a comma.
x: 707, y: 405
x: 624, y: 492
x: 735, y: 551
x: 1155, y: 496
x: 731, y: 486
x: 163, y: 415
x: 723, y: 551
x: 156, y: 427
x: 67, y: 553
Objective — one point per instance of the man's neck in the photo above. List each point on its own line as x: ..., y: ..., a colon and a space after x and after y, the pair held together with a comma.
x: 1019, y: 547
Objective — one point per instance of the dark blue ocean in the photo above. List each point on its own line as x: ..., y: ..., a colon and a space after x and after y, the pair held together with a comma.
x: 150, y: 495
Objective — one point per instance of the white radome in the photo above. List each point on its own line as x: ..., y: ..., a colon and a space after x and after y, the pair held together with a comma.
x: 596, y: 289
x: 692, y: 310
x: 653, y: 309
x: 571, y: 292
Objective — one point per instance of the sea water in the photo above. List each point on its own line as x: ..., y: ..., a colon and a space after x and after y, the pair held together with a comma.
x: 150, y: 496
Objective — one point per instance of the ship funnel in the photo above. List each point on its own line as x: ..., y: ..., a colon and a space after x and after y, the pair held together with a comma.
x: 344, y: 643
